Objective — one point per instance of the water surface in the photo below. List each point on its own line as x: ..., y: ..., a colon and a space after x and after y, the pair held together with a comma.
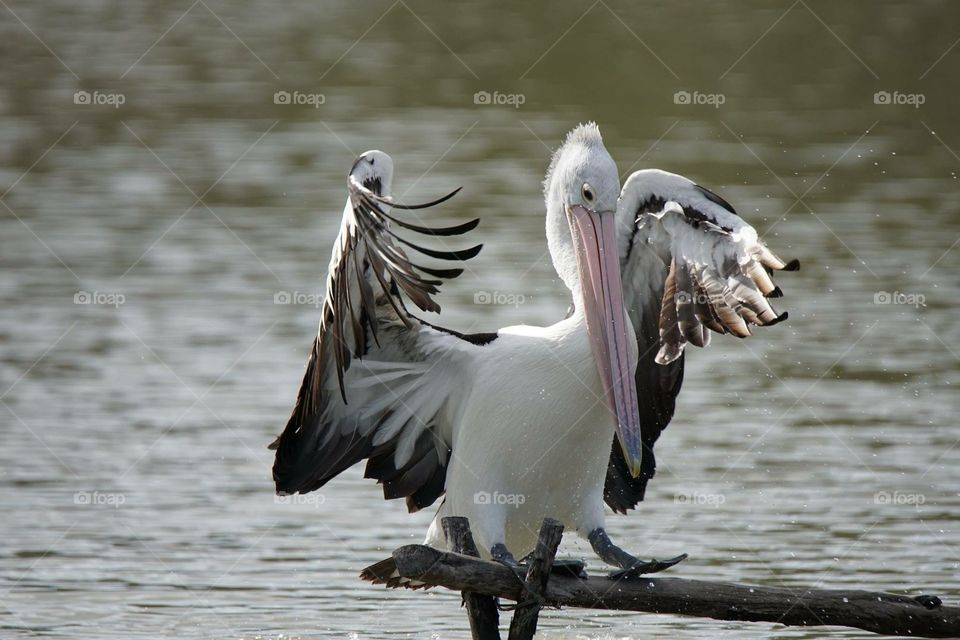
x: 137, y: 500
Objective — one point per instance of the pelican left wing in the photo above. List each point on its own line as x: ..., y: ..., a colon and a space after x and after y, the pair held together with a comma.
x: 690, y: 266
x: 380, y: 384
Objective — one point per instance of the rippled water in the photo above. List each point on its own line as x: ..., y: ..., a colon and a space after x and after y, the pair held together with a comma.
x: 136, y: 497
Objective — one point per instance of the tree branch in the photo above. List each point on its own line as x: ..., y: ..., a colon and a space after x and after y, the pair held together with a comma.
x: 923, y: 616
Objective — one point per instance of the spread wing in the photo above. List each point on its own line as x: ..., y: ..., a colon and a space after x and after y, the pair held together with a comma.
x: 690, y: 266
x: 379, y: 384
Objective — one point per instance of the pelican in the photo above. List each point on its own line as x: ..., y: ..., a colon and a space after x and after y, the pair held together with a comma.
x: 525, y: 422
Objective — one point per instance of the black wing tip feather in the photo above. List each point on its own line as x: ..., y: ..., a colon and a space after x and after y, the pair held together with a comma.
x: 296, y: 475
x: 793, y: 265
x: 621, y: 491
x: 374, y: 225
x: 386, y: 258
x: 420, y: 480
x: 422, y: 205
x: 446, y: 274
x: 455, y: 230
x: 301, y: 467
x: 460, y: 255
x: 714, y: 198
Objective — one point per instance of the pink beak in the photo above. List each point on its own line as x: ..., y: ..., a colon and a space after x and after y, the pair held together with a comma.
x: 595, y: 239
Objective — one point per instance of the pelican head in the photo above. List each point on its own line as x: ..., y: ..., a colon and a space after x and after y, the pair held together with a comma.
x: 581, y: 191
x: 374, y: 170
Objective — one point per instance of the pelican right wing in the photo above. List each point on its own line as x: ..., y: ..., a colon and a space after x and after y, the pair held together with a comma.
x: 380, y: 384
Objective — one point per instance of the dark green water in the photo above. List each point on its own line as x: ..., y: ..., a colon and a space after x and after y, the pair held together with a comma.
x: 820, y: 452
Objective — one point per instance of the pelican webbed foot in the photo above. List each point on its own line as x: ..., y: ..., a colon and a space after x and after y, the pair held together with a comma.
x: 500, y: 553
x: 630, y: 566
x: 643, y: 567
x: 571, y: 568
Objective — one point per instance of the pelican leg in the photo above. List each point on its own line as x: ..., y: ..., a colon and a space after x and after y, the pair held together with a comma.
x: 630, y: 566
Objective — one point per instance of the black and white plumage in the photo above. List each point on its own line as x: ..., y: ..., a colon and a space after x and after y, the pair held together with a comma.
x: 360, y: 394
x: 690, y: 266
x: 526, y: 422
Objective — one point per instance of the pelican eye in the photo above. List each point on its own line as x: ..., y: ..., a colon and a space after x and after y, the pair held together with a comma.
x: 587, y: 191
x: 370, y: 161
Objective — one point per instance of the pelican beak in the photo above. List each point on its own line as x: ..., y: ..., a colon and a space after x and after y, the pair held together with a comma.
x: 598, y: 260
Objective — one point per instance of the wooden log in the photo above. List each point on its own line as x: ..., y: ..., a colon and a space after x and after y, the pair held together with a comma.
x: 524, y: 622
x: 885, y: 613
x: 481, y: 609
